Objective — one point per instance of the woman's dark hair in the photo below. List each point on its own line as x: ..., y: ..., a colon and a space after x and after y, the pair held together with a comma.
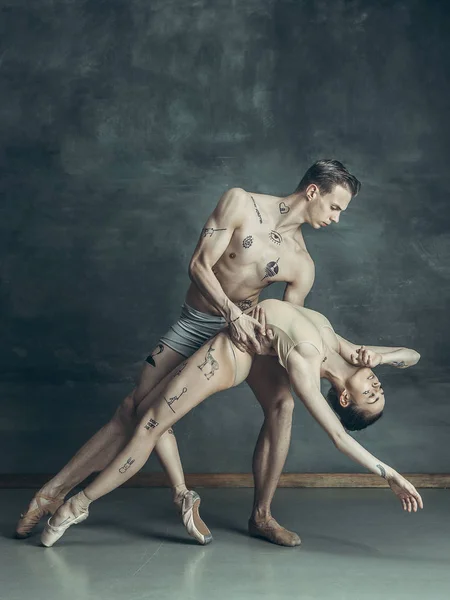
x: 326, y: 174
x: 351, y: 417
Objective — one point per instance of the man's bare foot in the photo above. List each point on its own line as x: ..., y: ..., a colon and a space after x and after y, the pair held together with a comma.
x: 269, y: 529
x: 42, y: 504
x: 74, y: 511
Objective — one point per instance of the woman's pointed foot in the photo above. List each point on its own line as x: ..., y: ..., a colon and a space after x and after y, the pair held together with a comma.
x: 39, y: 506
x: 72, y: 512
x: 188, y: 504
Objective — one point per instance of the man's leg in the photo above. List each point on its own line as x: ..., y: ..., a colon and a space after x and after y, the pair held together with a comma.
x: 270, y: 384
x: 98, y: 452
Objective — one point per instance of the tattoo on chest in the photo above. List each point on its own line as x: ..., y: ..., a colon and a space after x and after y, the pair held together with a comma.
x: 150, y: 358
x: 244, y: 304
x: 284, y: 209
x: 173, y: 399
x: 151, y: 424
x: 271, y: 269
x: 275, y: 237
x: 210, y: 364
x: 208, y: 231
x: 257, y: 210
x: 248, y: 241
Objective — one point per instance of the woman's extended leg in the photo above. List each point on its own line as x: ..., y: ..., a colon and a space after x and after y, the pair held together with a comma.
x: 214, y: 367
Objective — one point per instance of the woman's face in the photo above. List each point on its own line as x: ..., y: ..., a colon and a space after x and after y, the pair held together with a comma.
x: 366, y: 392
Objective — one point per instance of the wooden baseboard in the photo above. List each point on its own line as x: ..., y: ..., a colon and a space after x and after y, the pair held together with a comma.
x: 245, y: 480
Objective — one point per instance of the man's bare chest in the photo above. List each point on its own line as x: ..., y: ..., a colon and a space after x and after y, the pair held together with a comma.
x: 263, y: 255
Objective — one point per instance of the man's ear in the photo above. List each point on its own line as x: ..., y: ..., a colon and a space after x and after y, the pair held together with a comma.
x: 312, y: 191
x: 344, y: 398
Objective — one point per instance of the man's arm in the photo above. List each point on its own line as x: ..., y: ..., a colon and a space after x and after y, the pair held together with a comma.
x: 214, y: 239
x: 299, y: 287
x: 372, y: 356
x: 306, y: 388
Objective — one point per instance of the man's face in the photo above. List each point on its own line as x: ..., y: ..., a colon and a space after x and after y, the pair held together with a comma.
x: 326, y: 208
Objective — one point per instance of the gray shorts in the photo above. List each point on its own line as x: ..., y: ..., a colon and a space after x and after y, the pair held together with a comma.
x: 192, y: 330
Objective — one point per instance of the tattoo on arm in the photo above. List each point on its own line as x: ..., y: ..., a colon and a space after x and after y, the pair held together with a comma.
x: 248, y: 241
x: 400, y: 364
x: 257, y: 210
x: 244, y: 304
x: 382, y: 471
x: 208, y: 231
x: 210, y: 363
x: 173, y: 399
x: 170, y: 431
x: 150, y: 358
x: 271, y: 269
x: 124, y: 468
x: 151, y: 424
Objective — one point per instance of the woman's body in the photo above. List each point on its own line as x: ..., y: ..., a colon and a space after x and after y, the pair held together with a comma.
x: 307, y: 347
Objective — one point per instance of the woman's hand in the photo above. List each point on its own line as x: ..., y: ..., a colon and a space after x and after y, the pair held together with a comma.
x: 405, y: 491
x: 366, y: 358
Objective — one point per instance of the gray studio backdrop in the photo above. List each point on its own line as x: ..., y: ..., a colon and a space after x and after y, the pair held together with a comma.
x: 123, y: 122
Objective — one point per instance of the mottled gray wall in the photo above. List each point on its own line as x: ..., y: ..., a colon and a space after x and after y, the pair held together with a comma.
x: 122, y: 123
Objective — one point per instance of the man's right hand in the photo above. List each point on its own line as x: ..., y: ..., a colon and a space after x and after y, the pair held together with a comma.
x: 244, y: 331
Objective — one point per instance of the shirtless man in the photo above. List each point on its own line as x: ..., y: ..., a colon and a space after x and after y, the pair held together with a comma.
x: 250, y: 241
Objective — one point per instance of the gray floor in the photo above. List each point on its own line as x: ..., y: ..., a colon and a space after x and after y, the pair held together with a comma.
x: 357, y: 544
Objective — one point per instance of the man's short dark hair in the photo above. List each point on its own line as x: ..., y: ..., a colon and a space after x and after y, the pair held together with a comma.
x: 326, y: 174
x: 352, y: 418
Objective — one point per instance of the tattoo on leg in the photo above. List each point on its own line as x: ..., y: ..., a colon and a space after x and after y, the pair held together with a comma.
x: 151, y: 424
x: 271, y: 269
x: 244, y: 304
x: 150, y: 359
x: 170, y: 431
x: 181, y: 369
x: 257, y: 210
x: 208, y: 231
x: 248, y: 241
x: 124, y: 468
x: 275, y: 237
x: 382, y: 471
x: 211, y: 362
x: 170, y: 401
x: 283, y: 208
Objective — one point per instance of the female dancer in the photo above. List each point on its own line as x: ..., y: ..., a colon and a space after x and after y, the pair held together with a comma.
x: 308, y: 348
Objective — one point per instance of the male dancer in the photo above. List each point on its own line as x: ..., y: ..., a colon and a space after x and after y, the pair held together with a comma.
x: 250, y: 241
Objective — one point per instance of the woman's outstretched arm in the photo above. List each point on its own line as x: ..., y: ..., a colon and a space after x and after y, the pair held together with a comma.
x: 306, y: 387
x: 372, y: 356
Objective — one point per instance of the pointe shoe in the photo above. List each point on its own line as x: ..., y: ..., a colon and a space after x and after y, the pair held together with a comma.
x: 273, y: 532
x: 188, y: 507
x: 32, y: 517
x: 51, y: 534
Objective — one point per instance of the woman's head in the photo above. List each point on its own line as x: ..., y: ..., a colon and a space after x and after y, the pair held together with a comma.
x: 361, y: 402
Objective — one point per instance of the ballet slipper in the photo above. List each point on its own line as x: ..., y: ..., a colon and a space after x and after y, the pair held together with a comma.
x: 32, y: 517
x: 188, y: 506
x: 52, y: 533
x: 273, y: 532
